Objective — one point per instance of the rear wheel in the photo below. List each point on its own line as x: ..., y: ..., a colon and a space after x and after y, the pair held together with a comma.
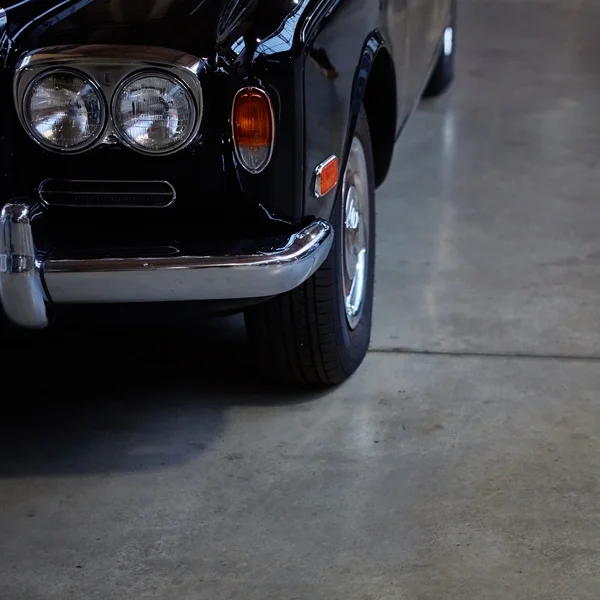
x: 443, y: 72
x: 319, y: 333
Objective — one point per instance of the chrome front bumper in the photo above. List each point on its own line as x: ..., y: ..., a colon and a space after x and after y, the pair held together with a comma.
x: 29, y: 286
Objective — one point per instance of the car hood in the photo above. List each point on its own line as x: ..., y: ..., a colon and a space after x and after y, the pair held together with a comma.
x: 200, y: 27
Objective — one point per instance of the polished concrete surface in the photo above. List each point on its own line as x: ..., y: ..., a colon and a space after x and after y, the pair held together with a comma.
x: 461, y: 462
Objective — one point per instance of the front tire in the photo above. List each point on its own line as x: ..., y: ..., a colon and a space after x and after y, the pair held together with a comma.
x: 319, y: 333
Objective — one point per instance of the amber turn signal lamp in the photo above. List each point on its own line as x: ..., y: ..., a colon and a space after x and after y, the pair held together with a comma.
x: 253, y: 127
x: 326, y: 176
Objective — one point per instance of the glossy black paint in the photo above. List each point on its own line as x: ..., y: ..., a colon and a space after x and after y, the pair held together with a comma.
x: 316, y: 58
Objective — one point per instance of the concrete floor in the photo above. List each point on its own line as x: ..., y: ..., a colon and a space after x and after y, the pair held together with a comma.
x: 461, y: 462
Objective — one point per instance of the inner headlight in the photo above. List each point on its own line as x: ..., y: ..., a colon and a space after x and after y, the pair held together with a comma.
x: 64, y: 111
x: 154, y: 113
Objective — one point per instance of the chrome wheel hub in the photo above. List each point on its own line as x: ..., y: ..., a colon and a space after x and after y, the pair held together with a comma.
x: 355, y: 196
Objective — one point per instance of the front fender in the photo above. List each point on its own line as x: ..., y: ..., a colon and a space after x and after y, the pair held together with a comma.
x: 315, y: 62
x: 334, y: 95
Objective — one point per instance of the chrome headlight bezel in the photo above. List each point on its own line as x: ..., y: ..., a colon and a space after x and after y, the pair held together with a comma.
x: 33, y: 134
x: 160, y: 73
x: 108, y: 68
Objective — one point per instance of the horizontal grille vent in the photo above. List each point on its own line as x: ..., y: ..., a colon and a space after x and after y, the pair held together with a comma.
x: 106, y: 194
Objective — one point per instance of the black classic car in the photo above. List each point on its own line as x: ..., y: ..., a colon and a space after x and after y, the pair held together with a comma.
x: 223, y: 153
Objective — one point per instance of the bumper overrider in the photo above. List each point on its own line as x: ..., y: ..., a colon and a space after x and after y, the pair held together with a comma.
x: 30, y: 284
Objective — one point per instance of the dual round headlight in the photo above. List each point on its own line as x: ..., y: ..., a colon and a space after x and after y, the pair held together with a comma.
x: 154, y: 113
x: 64, y: 111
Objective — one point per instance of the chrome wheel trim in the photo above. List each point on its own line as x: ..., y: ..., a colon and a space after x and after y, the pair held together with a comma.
x: 355, y: 232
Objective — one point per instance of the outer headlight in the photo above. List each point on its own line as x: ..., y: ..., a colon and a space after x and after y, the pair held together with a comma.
x: 154, y: 113
x: 64, y: 111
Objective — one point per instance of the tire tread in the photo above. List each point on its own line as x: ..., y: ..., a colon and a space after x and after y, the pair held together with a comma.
x: 296, y: 337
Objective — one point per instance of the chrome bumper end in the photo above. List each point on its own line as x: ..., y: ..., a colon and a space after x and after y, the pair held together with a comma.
x: 29, y: 286
x: 22, y: 293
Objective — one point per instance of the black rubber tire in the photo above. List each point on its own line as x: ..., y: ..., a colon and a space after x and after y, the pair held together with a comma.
x: 443, y: 72
x: 302, y: 337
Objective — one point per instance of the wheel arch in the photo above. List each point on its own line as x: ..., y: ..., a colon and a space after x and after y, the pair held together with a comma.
x: 375, y: 87
x: 333, y: 101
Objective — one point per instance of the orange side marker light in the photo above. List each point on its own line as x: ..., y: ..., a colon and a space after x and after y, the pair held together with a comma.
x: 326, y: 176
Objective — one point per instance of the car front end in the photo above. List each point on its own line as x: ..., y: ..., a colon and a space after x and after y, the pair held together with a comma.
x: 142, y: 172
